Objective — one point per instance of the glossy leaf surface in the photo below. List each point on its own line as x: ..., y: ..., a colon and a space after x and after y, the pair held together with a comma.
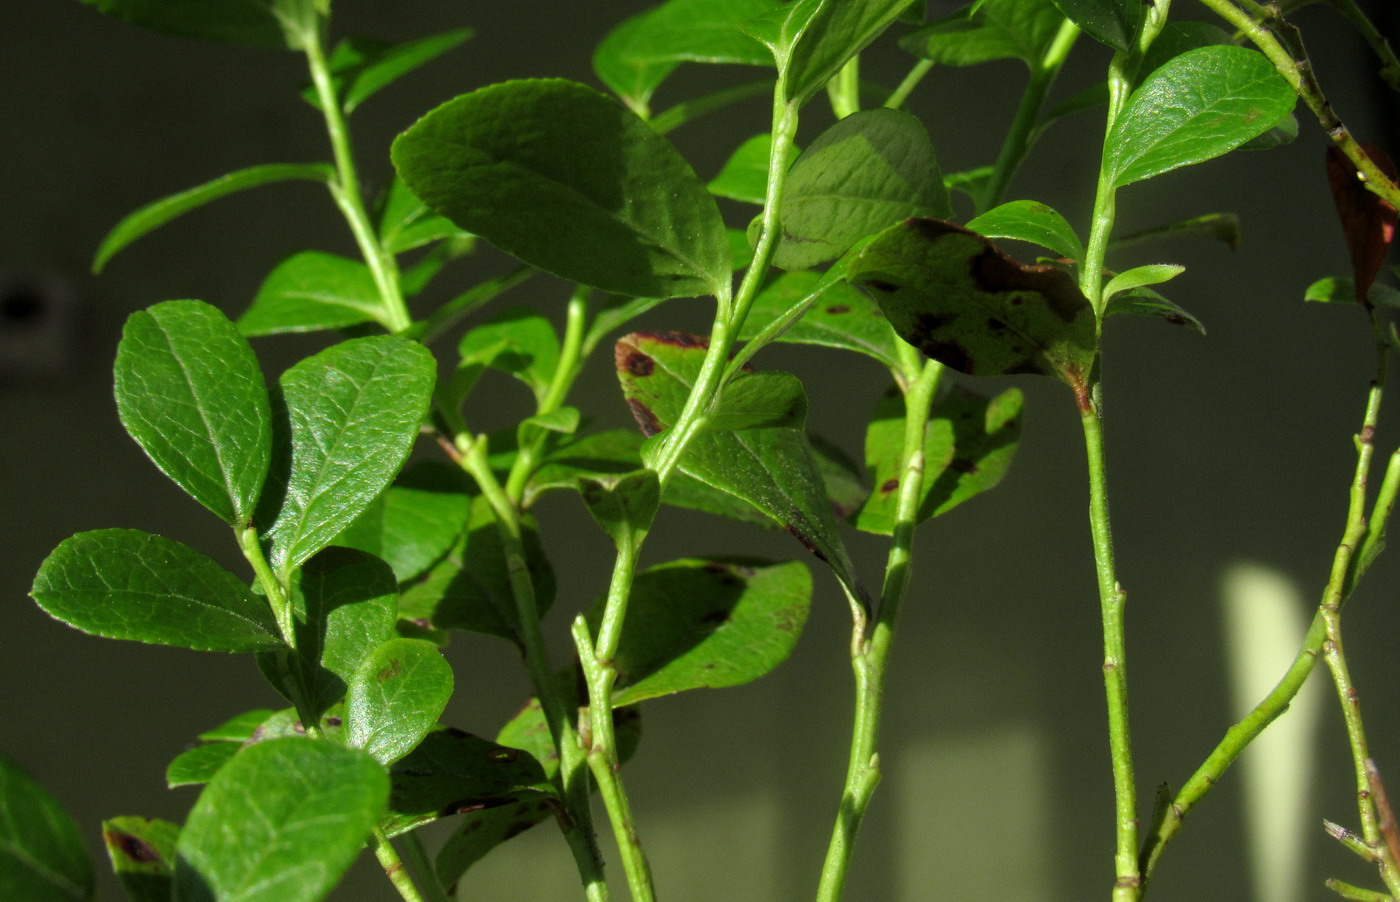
x: 996, y: 29
x: 1112, y: 22
x: 709, y: 624
x: 354, y: 411
x: 395, y: 698
x: 866, y: 172
x: 191, y: 393
x: 840, y: 317
x: 1197, y: 106
x: 1027, y: 220
x: 415, y: 521
x: 956, y: 297
x: 158, y: 213
x: 311, y: 291
x: 142, y: 852
x: 128, y: 584
x: 41, y: 851
x: 279, y: 823
x: 968, y: 447
x: 572, y: 182
x: 769, y: 469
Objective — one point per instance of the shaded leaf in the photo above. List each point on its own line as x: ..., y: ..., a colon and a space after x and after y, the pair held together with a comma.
x: 128, y: 584
x: 405, y: 222
x: 956, y: 297
x: 41, y: 851
x: 995, y: 29
x: 868, y: 171
x: 623, y: 506
x: 253, y: 22
x: 1367, y: 221
x: 830, y: 33
x: 1197, y: 106
x: 415, y: 521
x: 1027, y: 220
x: 1146, y: 302
x: 279, y: 823
x: 238, y: 728
x: 519, y: 342
x: 310, y: 291
x: 840, y: 316
x: 354, y: 411
x: 968, y: 446
x: 841, y: 476
x: 395, y: 698
x: 570, y: 181
x: 744, y: 176
x: 376, y: 66
x: 158, y: 213
x: 1334, y: 289
x: 972, y: 182
x: 1223, y: 227
x: 191, y: 393
x: 142, y: 852
x: 1180, y: 37
x: 1112, y: 22
x: 708, y: 624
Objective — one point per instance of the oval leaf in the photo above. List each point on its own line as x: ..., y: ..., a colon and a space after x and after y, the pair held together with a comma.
x: 128, y: 584
x: 572, y: 182
x: 866, y: 172
x: 395, y: 698
x: 1197, y: 106
x: 354, y: 411
x: 1140, y: 276
x: 191, y: 393
x: 953, y: 295
x: 375, y: 71
x: 830, y: 33
x: 41, y: 851
x: 279, y: 823
x: 313, y: 290
x: 1027, y: 220
x: 1112, y: 22
x: 142, y: 851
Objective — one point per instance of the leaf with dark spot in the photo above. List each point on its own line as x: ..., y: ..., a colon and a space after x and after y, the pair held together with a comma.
x: 840, y: 318
x: 1367, y: 221
x: 958, y: 298
x: 142, y: 851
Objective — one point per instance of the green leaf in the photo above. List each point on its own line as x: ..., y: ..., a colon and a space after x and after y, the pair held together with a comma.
x: 142, y: 851
x: 624, y: 506
x: 1223, y: 227
x: 997, y: 29
x: 1197, y: 106
x: 415, y: 521
x: 128, y: 584
x: 452, y: 772
x: 238, y: 728
x: 387, y: 64
x: 1140, y: 276
x: 469, y: 589
x: 41, y: 851
x: 1112, y: 22
x: 354, y: 411
x: 279, y: 823
x: 955, y: 296
x: 564, y: 420
x: 762, y: 400
x: 768, y: 469
x: 968, y: 446
x: 519, y: 342
x: 637, y: 56
x: 406, y: 223
x: 1180, y: 37
x: 708, y: 624
x: 1146, y: 302
x: 191, y: 393
x: 836, y: 31
x: 868, y: 171
x: 199, y: 764
x: 1027, y: 220
x: 839, y: 317
x: 395, y: 698
x: 158, y: 213
x: 1342, y: 289
x: 972, y: 182
x: 570, y: 181
x: 250, y: 22
x: 744, y: 176
x: 310, y: 291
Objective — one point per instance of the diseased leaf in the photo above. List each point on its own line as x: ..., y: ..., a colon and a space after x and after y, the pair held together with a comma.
x: 354, y: 411
x: 570, y: 181
x: 995, y: 29
x: 956, y: 297
x: 830, y: 33
x: 637, y: 56
x: 1146, y: 302
x: 1197, y: 106
x: 415, y: 521
x: 1112, y: 22
x: 1027, y: 220
x: 142, y: 852
x: 312, y: 290
x: 395, y: 698
x: 191, y: 393
x: 868, y: 171
x: 128, y: 584
x: 279, y: 823
x: 840, y: 317
x: 709, y: 624
x: 158, y: 213
x: 41, y: 851
x: 770, y: 469
x: 1367, y: 221
x: 968, y: 446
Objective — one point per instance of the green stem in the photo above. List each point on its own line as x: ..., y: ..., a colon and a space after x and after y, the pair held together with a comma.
x: 1356, y: 893
x: 273, y: 589
x: 1020, y: 137
x: 1112, y: 600
x: 870, y: 645
x: 844, y: 89
x: 394, y: 868
x: 1297, y: 70
x: 906, y: 87
x: 346, y: 188
x: 417, y: 858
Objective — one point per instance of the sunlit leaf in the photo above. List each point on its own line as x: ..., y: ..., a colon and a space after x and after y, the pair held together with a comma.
x: 1026, y: 220
x: 312, y: 290
x: 415, y: 521
x: 841, y: 316
x: 395, y: 698
x: 142, y: 852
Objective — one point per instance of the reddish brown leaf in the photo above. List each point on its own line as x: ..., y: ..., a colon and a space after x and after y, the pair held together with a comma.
x: 1367, y: 221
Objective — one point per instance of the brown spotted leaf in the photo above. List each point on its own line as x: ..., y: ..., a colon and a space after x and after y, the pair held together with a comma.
x: 142, y: 850
x: 1367, y: 221
x: 958, y: 298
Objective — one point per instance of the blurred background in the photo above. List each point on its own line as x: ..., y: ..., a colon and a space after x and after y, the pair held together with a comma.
x: 1229, y: 458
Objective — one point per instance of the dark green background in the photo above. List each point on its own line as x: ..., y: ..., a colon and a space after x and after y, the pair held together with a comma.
x: 1231, y: 448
